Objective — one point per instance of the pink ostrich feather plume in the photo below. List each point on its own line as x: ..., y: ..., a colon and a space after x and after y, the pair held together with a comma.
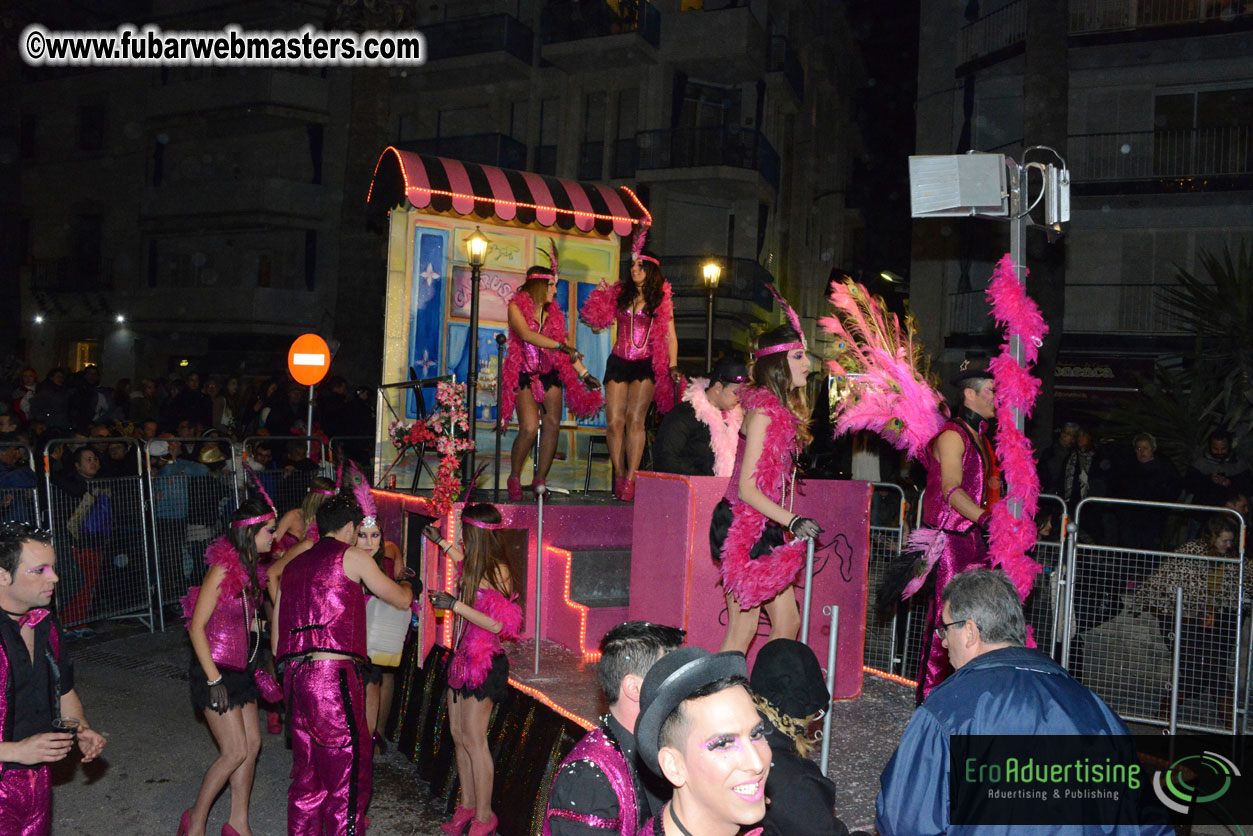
x: 235, y: 578
x: 361, y: 490
x: 580, y: 400
x: 472, y: 661
x: 261, y: 488
x: 792, y: 317
x: 886, y: 370
x: 637, y: 241
x: 1011, y: 539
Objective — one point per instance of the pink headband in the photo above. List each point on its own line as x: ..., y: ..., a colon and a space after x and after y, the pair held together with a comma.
x: 322, y: 491
x: 642, y: 257
x: 252, y: 520
x: 775, y: 349
x: 487, y: 525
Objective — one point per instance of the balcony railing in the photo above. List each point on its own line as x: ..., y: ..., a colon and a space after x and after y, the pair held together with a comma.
x: 1147, y: 155
x: 478, y: 35
x: 565, y: 22
x: 58, y: 275
x: 746, y: 280
x: 783, y: 59
x: 484, y: 149
x: 724, y: 145
x: 1089, y: 16
x: 1090, y: 309
x: 996, y: 31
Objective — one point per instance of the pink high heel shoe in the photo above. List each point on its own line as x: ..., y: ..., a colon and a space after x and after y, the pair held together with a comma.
x: 619, y: 485
x: 484, y: 828
x: 227, y: 830
x: 182, y: 822
x: 514, y: 487
x: 461, y: 819
x: 628, y: 490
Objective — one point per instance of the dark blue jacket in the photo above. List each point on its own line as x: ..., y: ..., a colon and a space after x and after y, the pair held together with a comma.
x: 1011, y: 691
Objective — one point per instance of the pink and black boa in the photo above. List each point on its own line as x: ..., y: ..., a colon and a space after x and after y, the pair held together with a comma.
x: 580, y: 400
x: 234, y: 579
x: 599, y: 311
x: 1009, y: 539
x: 472, y: 660
x: 724, y: 428
x: 754, y: 582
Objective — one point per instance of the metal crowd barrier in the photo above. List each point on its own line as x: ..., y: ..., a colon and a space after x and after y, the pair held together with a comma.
x: 1119, y: 637
x: 100, y: 538
x: 19, y: 485
x: 885, y: 545
x: 191, y: 504
x: 286, y: 487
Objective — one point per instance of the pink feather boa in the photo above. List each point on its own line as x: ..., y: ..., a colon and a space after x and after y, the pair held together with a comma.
x: 754, y: 582
x: 724, y: 428
x: 598, y: 313
x: 472, y: 659
x: 580, y: 400
x: 219, y: 553
x: 1010, y: 539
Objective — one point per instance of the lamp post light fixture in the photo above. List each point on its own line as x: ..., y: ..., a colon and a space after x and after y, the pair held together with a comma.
x: 476, y: 248
x: 712, y: 271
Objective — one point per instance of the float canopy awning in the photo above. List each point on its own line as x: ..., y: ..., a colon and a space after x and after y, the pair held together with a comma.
x: 486, y: 191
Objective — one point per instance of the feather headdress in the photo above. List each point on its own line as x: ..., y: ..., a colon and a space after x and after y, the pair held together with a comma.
x: 637, y: 245
x: 365, y: 498
x: 792, y: 317
x: 890, y: 388
x: 551, y: 255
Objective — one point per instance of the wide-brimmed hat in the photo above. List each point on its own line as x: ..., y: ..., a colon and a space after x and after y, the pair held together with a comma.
x: 211, y: 455
x: 673, y: 679
x: 787, y: 674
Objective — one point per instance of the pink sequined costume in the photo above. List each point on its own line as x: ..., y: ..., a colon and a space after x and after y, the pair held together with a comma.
x: 522, y: 357
x: 600, y: 750
x: 25, y: 792
x: 471, y: 660
x: 320, y: 609
x: 957, y: 545
x: 758, y: 559
x: 228, y: 628
x: 639, y: 337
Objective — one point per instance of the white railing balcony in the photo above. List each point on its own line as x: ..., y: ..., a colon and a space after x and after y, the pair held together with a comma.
x: 1092, y: 16
x: 1000, y: 29
x: 1148, y: 155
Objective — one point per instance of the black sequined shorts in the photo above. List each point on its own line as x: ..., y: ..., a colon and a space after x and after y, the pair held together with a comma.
x: 618, y: 370
x: 241, y: 688
x: 494, y: 687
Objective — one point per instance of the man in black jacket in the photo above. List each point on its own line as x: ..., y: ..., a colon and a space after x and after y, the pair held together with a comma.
x: 699, y: 436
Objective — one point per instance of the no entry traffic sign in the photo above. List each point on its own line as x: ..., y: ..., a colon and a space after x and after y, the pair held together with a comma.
x: 308, y: 359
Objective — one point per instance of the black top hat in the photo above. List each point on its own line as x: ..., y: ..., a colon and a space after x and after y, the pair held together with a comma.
x: 972, y: 368
x: 730, y: 370
x: 788, y: 675
x: 673, y: 679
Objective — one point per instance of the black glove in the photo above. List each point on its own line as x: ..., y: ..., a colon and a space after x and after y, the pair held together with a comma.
x: 676, y: 375
x: 442, y: 600
x: 219, y: 700
x: 804, y: 527
x: 571, y: 352
x: 431, y: 533
x: 591, y: 382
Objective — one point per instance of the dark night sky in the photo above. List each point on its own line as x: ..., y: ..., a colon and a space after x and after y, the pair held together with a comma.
x: 887, y: 33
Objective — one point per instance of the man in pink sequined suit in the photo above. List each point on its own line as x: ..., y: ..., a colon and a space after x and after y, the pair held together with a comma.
x: 320, y: 613
x: 33, y: 666
x: 963, y: 482
x: 600, y: 788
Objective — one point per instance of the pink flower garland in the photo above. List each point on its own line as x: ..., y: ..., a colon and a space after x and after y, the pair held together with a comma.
x: 1011, y: 539
x: 448, y: 428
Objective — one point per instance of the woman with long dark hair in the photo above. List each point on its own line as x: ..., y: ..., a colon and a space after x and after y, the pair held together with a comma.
x: 642, y: 366
x: 538, y: 365
x: 755, y: 536
x: 478, y: 670
x: 222, y: 623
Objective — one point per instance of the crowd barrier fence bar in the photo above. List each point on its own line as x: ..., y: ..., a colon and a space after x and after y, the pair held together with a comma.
x: 1174, y: 664
x: 18, y: 504
x: 885, y: 545
x: 101, y: 540
x: 1118, y: 625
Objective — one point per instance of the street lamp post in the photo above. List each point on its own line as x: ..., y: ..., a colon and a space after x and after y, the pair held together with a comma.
x: 712, y: 271
x: 477, y: 248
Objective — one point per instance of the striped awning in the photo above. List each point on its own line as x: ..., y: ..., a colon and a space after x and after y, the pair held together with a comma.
x: 486, y: 191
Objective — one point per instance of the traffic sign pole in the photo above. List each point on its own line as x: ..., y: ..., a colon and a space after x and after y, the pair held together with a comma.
x: 308, y: 360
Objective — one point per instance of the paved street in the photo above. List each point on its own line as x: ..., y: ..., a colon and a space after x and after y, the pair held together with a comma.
x: 134, y: 687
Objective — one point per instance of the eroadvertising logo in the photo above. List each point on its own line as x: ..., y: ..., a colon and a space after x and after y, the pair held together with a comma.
x: 1194, y: 780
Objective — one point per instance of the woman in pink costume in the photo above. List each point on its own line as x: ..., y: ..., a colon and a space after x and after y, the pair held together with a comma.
x: 301, y: 523
x: 542, y: 363
x: 478, y: 670
x: 642, y: 366
x: 759, y: 541
x: 222, y: 623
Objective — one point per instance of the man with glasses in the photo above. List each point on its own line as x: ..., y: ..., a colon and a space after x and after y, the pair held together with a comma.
x: 999, y: 687
x: 36, y: 684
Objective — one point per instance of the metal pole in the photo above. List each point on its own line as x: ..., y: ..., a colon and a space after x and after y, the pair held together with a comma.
x: 309, y: 425
x: 809, y: 585
x: 472, y: 378
x: 1018, y: 252
x: 834, y: 610
x: 539, y: 570
x: 501, y: 419
x: 709, y: 331
x: 1174, y: 662
x: 1068, y: 589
